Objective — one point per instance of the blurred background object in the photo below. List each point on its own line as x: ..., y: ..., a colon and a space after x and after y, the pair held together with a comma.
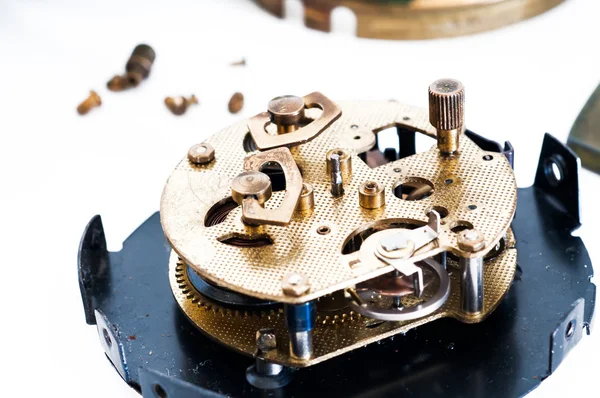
x: 417, y: 19
x: 584, y: 138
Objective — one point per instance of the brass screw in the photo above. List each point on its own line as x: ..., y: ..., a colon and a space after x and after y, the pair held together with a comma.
x: 241, y: 62
x: 236, y: 103
x: 137, y: 69
x: 118, y: 83
x: 139, y: 64
x: 252, y: 184
x: 179, y: 105
x: 201, y: 154
x: 286, y: 112
x: 92, y: 101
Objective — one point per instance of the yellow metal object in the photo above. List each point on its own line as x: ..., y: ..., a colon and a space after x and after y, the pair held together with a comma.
x: 476, y: 188
x: 419, y: 19
x: 292, y: 136
x: 337, y: 331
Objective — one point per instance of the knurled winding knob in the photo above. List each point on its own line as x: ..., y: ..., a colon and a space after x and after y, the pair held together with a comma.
x: 446, y: 112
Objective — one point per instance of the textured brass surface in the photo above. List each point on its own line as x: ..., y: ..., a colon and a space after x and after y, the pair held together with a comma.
x: 338, y: 330
x: 418, y: 19
x: 192, y: 191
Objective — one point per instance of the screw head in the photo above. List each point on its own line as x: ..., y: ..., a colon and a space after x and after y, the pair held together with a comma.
x: 295, y: 284
x: 251, y: 183
x: 201, y: 154
x: 471, y: 240
x: 266, y: 340
x: 286, y: 110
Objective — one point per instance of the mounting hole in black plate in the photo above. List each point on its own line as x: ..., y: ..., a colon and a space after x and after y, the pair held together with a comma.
x: 159, y: 391
x: 554, y: 170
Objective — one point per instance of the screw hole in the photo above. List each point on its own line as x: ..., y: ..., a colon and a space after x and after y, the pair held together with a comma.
x: 323, y: 230
x: 570, y: 330
x: 487, y: 158
x: 554, y: 171
x: 413, y: 188
x: 107, y: 337
x: 159, y: 391
x: 442, y: 211
x: 460, y: 226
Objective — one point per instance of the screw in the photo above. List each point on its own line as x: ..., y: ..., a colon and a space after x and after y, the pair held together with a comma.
x: 118, y: 83
x: 295, y: 284
x: 201, y: 154
x: 286, y: 112
x: 179, y: 105
x: 241, y: 62
x: 471, y: 240
x: 236, y: 103
x: 266, y: 340
x: 139, y: 64
x: 92, y: 101
x: 251, y: 184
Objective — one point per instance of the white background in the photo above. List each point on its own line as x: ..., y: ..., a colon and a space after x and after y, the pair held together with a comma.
x: 59, y: 169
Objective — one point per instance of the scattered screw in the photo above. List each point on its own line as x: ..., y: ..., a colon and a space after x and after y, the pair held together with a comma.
x: 118, y: 83
x: 137, y: 69
x: 241, y: 62
x: 236, y: 103
x: 201, y: 154
x: 179, y: 105
x: 139, y: 64
x: 92, y: 101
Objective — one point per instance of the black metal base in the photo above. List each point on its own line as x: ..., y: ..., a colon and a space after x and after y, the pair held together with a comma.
x: 156, y: 349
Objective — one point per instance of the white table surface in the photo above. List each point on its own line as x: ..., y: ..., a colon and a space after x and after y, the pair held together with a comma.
x: 58, y: 169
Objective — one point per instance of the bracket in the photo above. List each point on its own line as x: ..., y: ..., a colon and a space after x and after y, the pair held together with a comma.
x: 252, y: 211
x: 567, y: 334
x: 557, y: 177
x: 258, y: 124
